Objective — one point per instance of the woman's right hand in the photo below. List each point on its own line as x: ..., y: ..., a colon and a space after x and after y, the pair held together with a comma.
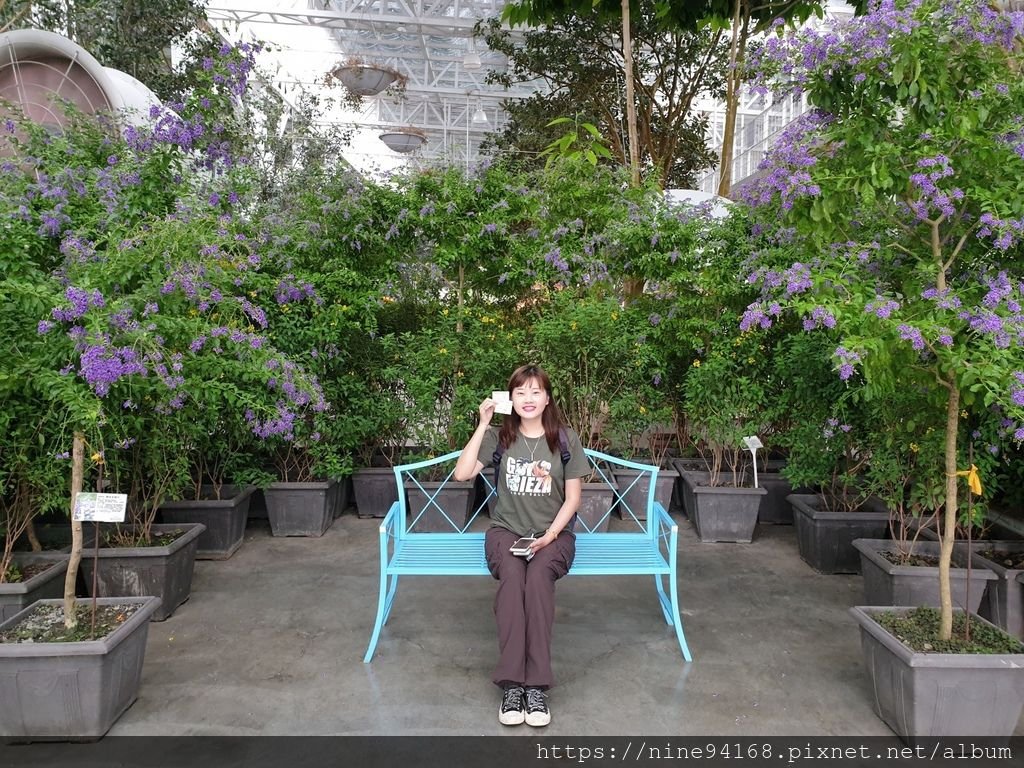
x: 486, y: 411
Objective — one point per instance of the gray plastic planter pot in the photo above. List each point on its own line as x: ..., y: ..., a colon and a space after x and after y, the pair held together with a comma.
x: 344, y: 496
x: 164, y: 572
x: 301, y: 509
x: 939, y: 694
x: 825, y: 537
x: 72, y: 691
x: 423, y: 499
x: 224, y: 518
x: 634, y: 491
x: 889, y: 584
x: 375, y: 490
x: 49, y: 583
x: 721, y: 513
x: 775, y: 509
x: 1004, y: 605
x: 595, y: 512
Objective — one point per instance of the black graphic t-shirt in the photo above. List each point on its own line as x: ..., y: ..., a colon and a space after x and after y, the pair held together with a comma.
x: 531, y: 484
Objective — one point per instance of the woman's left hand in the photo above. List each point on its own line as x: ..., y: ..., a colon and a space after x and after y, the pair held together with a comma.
x: 541, y: 542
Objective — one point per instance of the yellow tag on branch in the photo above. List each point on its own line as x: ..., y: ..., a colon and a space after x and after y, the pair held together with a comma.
x: 973, y: 479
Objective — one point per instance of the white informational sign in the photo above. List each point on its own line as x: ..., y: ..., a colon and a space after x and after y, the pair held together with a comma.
x: 753, y: 442
x: 101, y: 507
x: 502, y: 403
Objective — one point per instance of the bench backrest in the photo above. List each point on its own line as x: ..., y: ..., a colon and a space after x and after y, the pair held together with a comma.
x: 443, y: 505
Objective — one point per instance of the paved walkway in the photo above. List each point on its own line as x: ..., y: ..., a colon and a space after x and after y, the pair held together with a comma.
x: 271, y: 643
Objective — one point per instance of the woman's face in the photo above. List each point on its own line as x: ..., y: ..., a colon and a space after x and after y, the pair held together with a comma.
x: 529, y: 399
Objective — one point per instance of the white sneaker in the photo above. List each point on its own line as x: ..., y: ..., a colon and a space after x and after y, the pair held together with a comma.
x: 537, y: 712
x: 512, y: 710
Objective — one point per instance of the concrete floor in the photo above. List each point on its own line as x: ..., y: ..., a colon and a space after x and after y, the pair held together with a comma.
x: 271, y: 643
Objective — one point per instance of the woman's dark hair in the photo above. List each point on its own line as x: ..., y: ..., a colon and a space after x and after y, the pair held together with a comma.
x: 551, y: 418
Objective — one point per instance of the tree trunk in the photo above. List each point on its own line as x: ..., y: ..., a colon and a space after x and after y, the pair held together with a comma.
x: 77, y: 473
x: 732, y: 103
x: 949, y: 520
x: 627, y: 55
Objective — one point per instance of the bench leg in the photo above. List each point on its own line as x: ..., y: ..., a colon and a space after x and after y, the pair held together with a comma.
x: 670, y: 607
x: 385, y: 598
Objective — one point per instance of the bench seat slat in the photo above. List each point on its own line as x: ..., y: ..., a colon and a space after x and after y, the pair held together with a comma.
x: 594, y: 555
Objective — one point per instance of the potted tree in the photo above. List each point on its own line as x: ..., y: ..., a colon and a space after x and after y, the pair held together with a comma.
x: 726, y: 402
x: 30, y: 474
x: 587, y: 343
x: 221, y: 506
x: 830, y: 447
x: 44, y: 643
x: 917, y: 265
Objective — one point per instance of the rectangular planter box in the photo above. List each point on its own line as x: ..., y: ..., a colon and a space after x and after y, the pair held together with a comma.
x: 164, y: 572
x: 72, y: 691
x: 422, y: 501
x: 1004, y: 605
x: 224, y: 518
x: 721, y: 513
x: 825, y: 537
x: 889, y: 584
x: 375, y: 490
x: 595, y: 512
x: 301, y: 509
x: 775, y: 509
x: 344, y: 497
x: 939, y: 694
x: 634, y: 491
x: 17, y: 596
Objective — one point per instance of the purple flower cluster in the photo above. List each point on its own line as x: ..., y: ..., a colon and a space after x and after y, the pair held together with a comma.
x: 819, y: 317
x: 102, y: 366
x: 931, y: 198
x: 847, y: 359
x: 831, y: 425
x: 911, y: 334
x: 882, y: 307
x: 786, y: 167
x: 1003, y: 232
x: 1017, y: 390
x: 554, y: 258
x: 287, y: 292
x: 80, y: 301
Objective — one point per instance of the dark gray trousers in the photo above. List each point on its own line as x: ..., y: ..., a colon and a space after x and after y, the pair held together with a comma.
x: 524, y: 606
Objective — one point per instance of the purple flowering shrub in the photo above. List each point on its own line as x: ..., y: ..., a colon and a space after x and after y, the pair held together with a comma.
x: 324, y: 262
x: 135, y: 312
x: 901, y: 196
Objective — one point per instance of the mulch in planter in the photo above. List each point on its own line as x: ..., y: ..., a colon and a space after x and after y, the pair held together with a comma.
x: 923, y: 561
x: 117, y: 540
x: 919, y: 630
x: 1014, y: 561
x: 26, y: 572
x: 46, y: 624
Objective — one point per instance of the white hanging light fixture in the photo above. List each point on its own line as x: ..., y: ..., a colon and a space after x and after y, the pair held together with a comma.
x: 404, y: 140
x: 480, y: 117
x: 364, y: 79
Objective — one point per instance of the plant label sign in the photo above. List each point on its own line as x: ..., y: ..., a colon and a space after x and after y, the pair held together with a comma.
x: 100, y: 507
x: 753, y: 443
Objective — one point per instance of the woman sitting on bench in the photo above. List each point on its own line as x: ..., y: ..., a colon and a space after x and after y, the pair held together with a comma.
x: 540, y: 462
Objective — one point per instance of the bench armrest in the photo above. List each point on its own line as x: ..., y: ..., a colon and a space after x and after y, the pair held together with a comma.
x: 661, y: 517
x: 390, y: 522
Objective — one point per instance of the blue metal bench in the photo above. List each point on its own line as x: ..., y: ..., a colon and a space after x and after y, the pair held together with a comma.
x: 649, y: 547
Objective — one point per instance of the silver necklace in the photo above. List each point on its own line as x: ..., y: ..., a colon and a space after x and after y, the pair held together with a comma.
x: 532, y: 448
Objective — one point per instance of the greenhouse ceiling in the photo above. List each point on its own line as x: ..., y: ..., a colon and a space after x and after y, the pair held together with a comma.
x: 429, y: 43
